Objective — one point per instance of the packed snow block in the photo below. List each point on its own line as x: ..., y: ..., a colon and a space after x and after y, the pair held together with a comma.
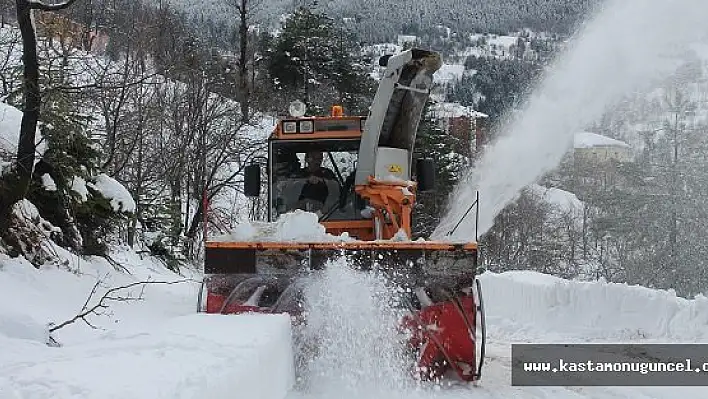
x: 197, y: 356
x: 528, y: 306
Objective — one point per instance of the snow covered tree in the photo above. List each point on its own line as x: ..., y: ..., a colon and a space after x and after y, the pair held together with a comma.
x: 15, y: 184
x: 497, y: 86
x: 319, y: 62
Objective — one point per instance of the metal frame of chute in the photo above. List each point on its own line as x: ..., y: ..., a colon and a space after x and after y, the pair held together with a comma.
x: 478, y: 284
x: 475, y: 204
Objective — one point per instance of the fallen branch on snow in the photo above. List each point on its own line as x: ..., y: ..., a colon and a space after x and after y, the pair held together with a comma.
x: 111, y: 295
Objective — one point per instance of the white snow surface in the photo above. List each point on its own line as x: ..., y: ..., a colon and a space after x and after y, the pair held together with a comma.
x: 26, y: 210
x: 154, y: 348
x: 10, y: 121
x: 564, y: 200
x: 110, y: 188
x: 296, y: 226
x: 159, y: 347
x: 120, y: 198
x: 78, y: 185
x: 48, y: 183
x: 591, y: 140
x: 449, y: 73
x: 187, y: 357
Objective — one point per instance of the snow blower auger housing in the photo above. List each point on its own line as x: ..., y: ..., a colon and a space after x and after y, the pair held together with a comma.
x: 358, y: 184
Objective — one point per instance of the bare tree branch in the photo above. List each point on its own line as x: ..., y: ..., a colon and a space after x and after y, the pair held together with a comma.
x: 111, y: 295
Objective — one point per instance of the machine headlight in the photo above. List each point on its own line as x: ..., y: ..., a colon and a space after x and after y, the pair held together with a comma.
x: 307, y: 127
x: 290, y: 127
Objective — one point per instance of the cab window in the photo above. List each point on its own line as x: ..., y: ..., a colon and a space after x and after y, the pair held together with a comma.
x: 315, y: 179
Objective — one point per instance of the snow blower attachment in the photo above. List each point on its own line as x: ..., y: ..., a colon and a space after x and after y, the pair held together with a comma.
x: 358, y: 179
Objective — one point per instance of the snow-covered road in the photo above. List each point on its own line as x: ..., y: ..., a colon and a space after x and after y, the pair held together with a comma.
x: 526, y: 307
x: 158, y: 348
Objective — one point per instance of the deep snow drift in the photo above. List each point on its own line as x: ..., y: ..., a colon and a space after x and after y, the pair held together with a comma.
x: 188, y: 357
x: 628, y: 47
x: 157, y: 347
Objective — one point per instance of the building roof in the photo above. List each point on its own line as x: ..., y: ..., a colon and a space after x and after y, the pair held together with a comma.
x: 449, y: 72
x: 455, y: 110
x: 594, y: 140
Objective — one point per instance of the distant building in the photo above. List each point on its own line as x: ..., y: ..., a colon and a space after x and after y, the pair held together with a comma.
x: 75, y: 34
x: 595, y: 148
x: 407, y: 40
x: 597, y: 160
x: 464, y: 123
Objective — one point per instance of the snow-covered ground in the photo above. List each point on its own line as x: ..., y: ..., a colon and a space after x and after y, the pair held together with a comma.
x: 528, y: 307
x: 158, y: 347
x: 155, y: 347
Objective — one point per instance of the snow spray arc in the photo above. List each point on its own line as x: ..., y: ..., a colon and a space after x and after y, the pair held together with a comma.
x: 629, y: 45
x: 353, y: 318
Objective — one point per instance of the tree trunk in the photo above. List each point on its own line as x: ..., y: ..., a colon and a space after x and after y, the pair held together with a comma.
x: 244, y: 90
x: 132, y: 227
x: 15, y: 189
x: 26, y: 147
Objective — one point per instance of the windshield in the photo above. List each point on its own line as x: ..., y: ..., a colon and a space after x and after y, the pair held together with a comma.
x: 316, y: 177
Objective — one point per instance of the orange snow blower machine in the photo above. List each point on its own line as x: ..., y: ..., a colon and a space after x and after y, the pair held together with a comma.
x: 360, y: 180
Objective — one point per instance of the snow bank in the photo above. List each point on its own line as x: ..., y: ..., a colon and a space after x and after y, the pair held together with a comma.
x: 528, y: 306
x: 590, y: 140
x: 155, y: 348
x: 296, y: 226
x: 195, y: 356
x: 10, y: 120
x: 110, y: 188
x: 565, y: 201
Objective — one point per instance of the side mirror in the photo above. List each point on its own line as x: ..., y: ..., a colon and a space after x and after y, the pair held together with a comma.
x: 252, y: 180
x: 383, y: 61
x: 425, y: 171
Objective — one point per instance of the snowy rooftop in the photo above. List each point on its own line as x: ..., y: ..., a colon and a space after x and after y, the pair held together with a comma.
x: 406, y: 39
x: 591, y: 140
x: 449, y: 72
x: 504, y: 41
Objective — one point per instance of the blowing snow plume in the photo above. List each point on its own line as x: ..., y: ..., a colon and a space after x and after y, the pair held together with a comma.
x: 628, y: 46
x: 351, y: 318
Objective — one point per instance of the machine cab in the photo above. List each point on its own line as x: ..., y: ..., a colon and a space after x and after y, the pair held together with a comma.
x: 312, y: 165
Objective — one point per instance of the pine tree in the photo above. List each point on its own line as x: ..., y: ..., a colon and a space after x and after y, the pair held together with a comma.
x: 316, y: 61
x: 433, y: 142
